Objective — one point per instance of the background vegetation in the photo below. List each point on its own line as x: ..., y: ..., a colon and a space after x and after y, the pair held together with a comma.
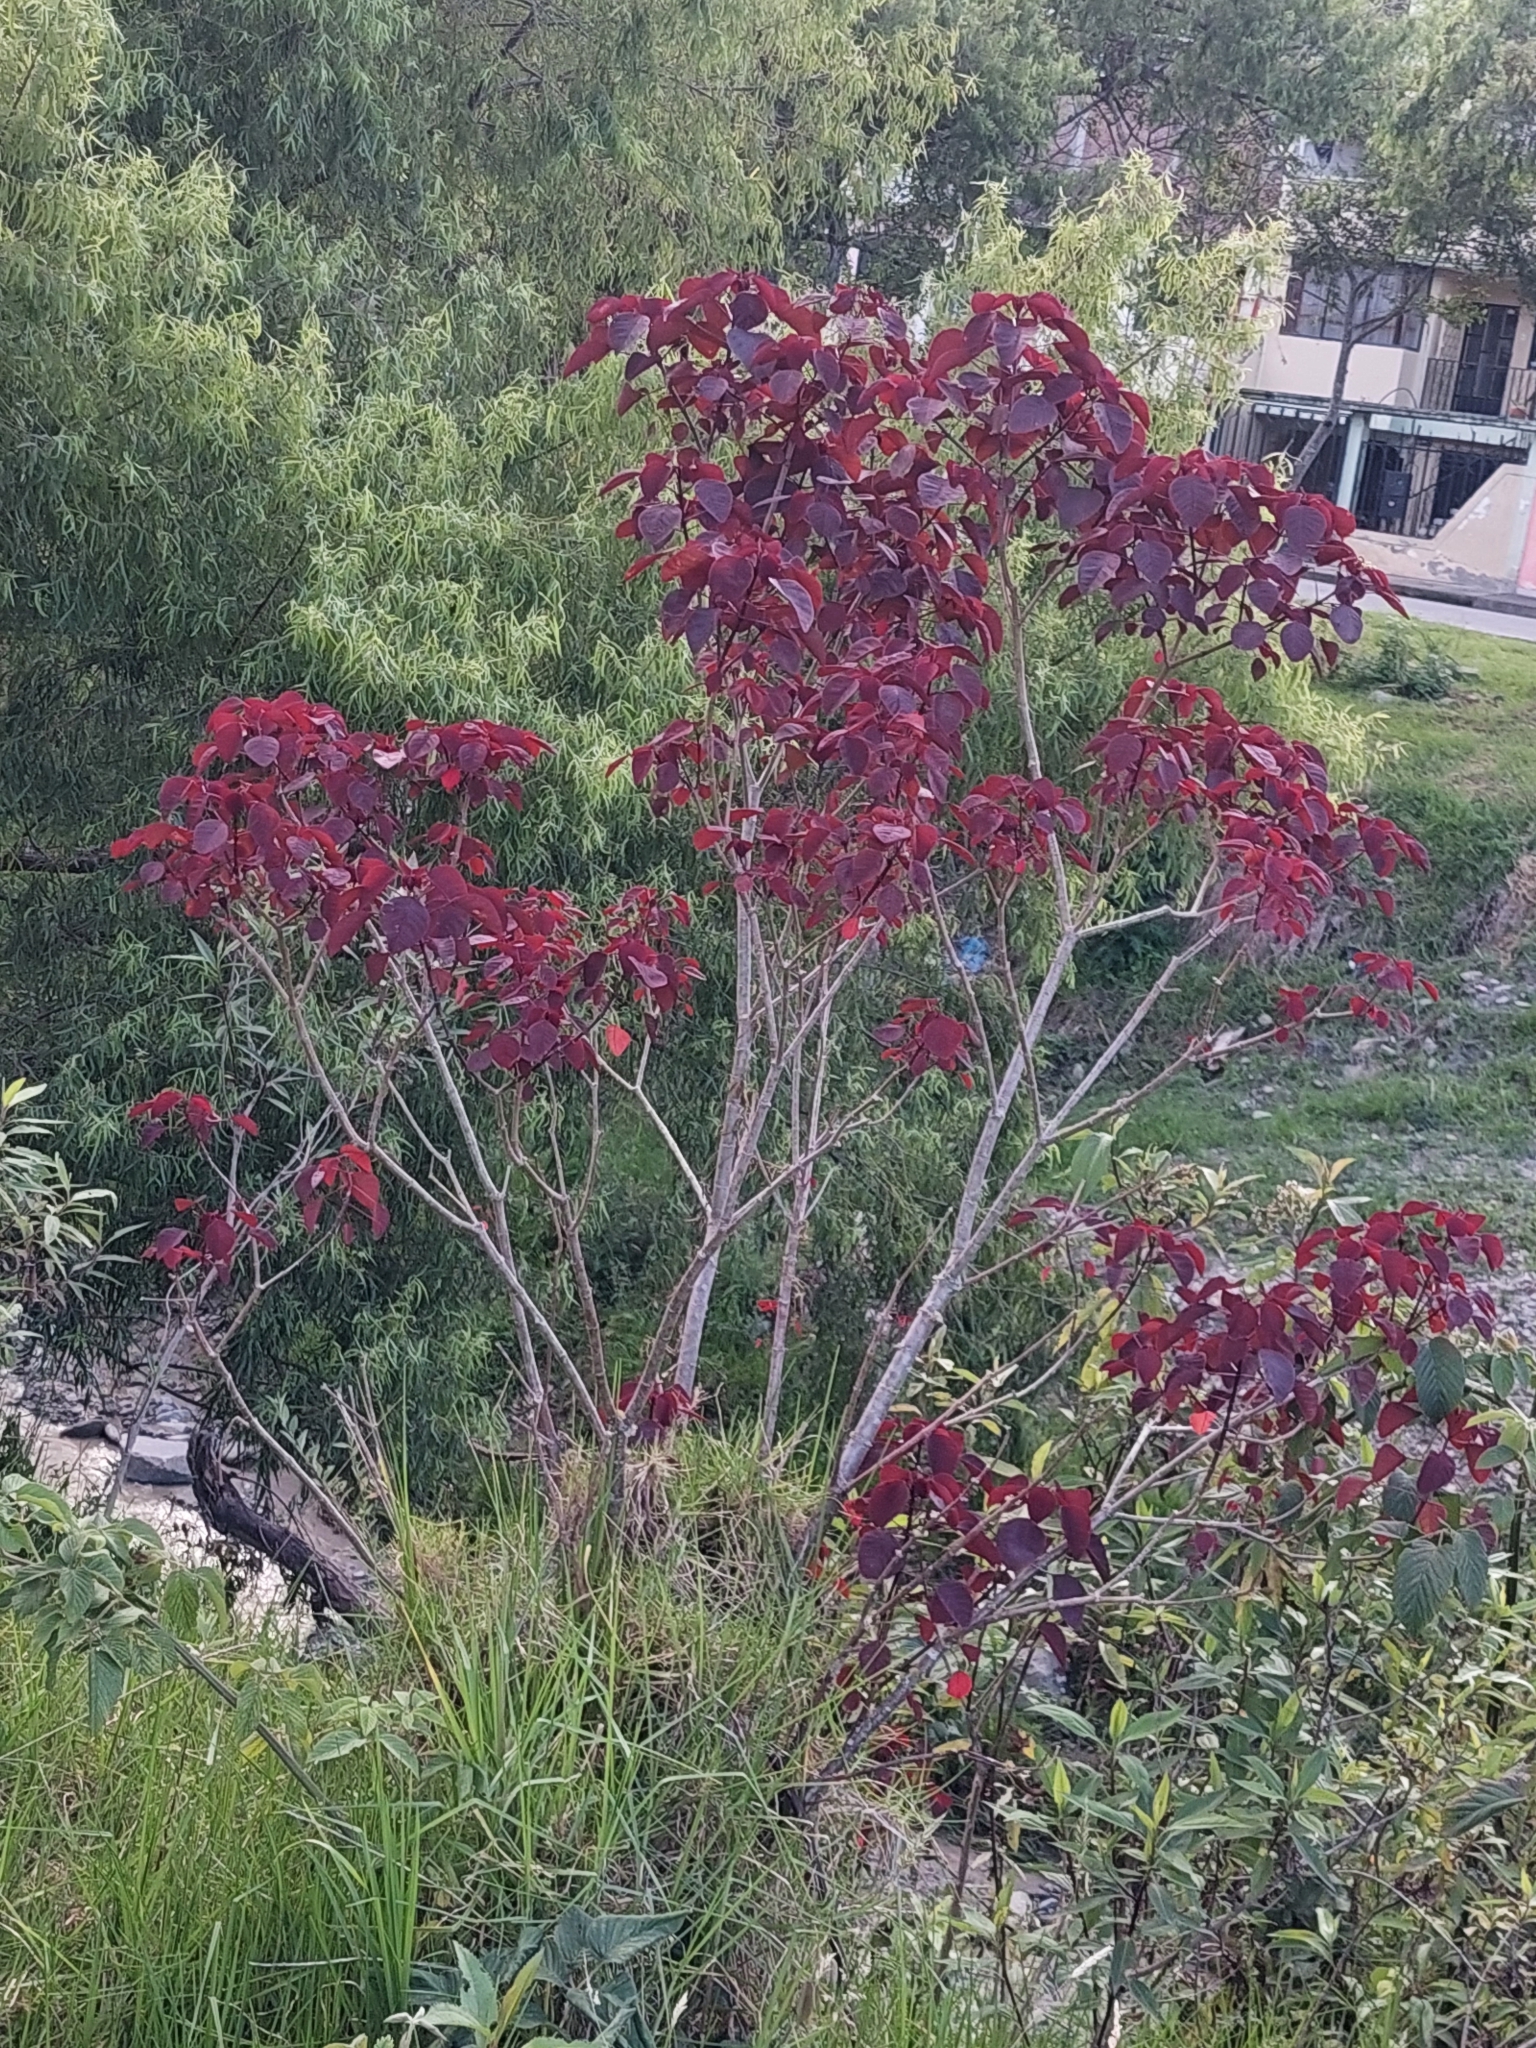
x: 284, y: 287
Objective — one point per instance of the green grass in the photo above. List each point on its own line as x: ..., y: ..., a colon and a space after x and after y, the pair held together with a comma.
x: 1459, y: 1119
x: 1461, y: 775
x: 155, y: 1886
x: 619, y: 1745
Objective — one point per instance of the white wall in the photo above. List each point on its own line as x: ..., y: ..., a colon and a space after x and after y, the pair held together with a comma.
x: 1304, y: 368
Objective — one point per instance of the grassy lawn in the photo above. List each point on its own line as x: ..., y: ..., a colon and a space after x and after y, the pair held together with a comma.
x: 1451, y: 1109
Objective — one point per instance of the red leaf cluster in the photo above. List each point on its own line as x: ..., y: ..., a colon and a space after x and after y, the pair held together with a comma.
x: 940, y: 1527
x: 921, y: 1036
x: 826, y: 518
x: 1267, y: 1361
x: 172, y: 1105
x: 663, y: 1407
x: 348, y: 1177
x: 1285, y: 845
x: 361, y: 842
x: 208, y: 1237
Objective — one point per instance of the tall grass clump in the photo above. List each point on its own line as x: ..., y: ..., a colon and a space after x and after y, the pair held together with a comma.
x: 156, y: 1885
x: 532, y: 1728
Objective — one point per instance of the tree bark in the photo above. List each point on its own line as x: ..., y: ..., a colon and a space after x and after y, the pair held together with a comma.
x: 1331, y: 418
x: 329, y: 1587
x: 32, y: 860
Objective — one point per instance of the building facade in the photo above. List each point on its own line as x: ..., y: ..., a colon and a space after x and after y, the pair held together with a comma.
x: 1434, y: 409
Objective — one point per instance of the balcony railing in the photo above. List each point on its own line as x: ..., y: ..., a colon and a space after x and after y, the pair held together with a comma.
x: 1450, y: 385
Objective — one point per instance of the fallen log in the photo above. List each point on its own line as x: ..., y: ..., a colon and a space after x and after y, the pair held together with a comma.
x: 329, y: 1587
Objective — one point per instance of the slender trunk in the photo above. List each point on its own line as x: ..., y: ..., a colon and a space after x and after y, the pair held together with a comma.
x: 591, y: 1320
x: 946, y: 1284
x: 541, y: 1417
x: 804, y: 1141
x: 691, y: 1336
x: 1330, y: 420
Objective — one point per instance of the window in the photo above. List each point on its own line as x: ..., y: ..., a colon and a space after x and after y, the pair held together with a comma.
x: 1389, y: 310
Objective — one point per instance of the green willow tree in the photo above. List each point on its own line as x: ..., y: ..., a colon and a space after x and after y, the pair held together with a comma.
x: 510, y: 163
x: 148, y: 430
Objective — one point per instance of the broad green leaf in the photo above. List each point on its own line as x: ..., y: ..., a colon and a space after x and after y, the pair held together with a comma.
x: 338, y: 1742
x: 1469, y: 1568
x: 1157, y: 1723
x: 400, y: 1750
x: 1090, y: 1162
x: 615, y: 1937
x: 1064, y: 1717
x: 1420, y: 1583
x: 479, y: 1986
x: 452, y: 2015
x: 1440, y: 1374
x: 179, y: 1602
x: 104, y: 1678
x: 1483, y: 1803
x: 1399, y: 1498
x: 78, y: 1589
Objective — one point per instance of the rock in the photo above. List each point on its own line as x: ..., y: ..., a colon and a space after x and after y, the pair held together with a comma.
x: 158, y: 1461
x: 92, y: 1426
x: 169, y: 1415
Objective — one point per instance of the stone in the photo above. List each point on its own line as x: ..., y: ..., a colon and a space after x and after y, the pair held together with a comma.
x: 169, y: 1415
x: 91, y: 1426
x: 158, y: 1461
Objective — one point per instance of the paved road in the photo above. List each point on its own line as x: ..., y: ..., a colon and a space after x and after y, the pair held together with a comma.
x: 1503, y: 625
x: 1472, y: 618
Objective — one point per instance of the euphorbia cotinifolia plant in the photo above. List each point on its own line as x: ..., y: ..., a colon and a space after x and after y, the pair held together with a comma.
x: 852, y: 531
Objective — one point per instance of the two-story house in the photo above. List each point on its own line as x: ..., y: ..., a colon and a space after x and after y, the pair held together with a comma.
x: 1438, y: 434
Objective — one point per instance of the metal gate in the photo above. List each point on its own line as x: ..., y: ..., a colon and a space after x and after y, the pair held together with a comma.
x: 1409, y: 483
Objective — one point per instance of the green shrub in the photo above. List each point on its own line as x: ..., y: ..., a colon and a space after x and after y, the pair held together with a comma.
x: 1406, y: 664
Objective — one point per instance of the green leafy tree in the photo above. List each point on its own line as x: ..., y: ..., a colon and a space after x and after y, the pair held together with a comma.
x: 1012, y: 70
x: 1172, y: 310
x: 147, y: 429
x: 510, y: 164
x: 1444, y: 178
x: 1222, y: 90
